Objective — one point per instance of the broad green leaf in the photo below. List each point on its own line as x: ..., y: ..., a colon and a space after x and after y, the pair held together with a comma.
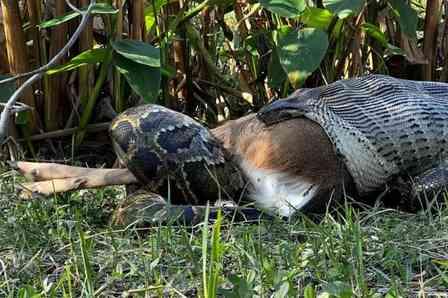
x: 284, y: 8
x: 139, y: 52
x: 99, y: 8
x: 407, y: 17
x: 149, y: 13
x: 143, y: 79
x: 91, y: 56
x: 276, y: 74
x: 301, y: 52
x: 344, y: 8
x: 317, y: 17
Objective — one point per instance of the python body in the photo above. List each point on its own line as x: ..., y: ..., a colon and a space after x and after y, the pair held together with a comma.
x: 296, y: 153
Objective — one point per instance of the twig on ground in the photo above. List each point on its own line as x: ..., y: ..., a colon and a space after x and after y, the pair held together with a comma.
x: 39, y: 73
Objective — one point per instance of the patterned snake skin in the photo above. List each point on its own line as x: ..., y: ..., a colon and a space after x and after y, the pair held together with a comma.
x: 174, y: 155
x: 381, y: 126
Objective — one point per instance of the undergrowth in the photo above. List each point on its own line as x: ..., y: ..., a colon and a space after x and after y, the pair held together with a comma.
x: 65, y: 247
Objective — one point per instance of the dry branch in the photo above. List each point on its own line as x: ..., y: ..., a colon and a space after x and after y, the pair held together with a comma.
x: 17, y: 53
x: 4, y: 117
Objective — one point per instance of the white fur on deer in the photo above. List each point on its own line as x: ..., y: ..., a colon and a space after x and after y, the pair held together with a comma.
x: 290, y: 165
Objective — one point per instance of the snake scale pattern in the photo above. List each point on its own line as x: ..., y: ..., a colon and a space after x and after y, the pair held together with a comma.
x: 382, y: 127
x: 173, y: 155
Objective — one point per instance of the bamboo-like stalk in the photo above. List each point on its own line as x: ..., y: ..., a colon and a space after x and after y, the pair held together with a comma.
x: 33, y: 8
x: 137, y: 31
x: 165, y: 54
x: 245, y: 75
x: 4, y: 65
x: 118, y: 96
x: 356, y: 65
x: 180, y: 90
x: 85, y: 81
x: 444, y: 73
x: 54, y: 103
x: 17, y: 53
x: 433, y: 12
x: 377, y: 49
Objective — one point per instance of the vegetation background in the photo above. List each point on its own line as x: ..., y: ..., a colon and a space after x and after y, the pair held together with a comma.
x: 214, y: 60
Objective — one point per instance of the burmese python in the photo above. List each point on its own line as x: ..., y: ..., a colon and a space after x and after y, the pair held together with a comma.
x: 383, y: 128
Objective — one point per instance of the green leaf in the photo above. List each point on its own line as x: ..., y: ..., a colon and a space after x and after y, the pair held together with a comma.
x: 143, y: 79
x: 344, y: 8
x: 149, y: 13
x: 317, y: 17
x: 139, y: 52
x: 407, y: 17
x: 99, y: 8
x: 284, y: 8
x: 276, y: 74
x: 300, y: 52
x: 91, y: 56
x: 375, y: 32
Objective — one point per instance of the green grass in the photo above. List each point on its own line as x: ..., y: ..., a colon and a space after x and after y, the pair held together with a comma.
x: 65, y: 247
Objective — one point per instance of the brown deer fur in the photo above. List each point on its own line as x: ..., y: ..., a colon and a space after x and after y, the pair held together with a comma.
x: 298, y: 147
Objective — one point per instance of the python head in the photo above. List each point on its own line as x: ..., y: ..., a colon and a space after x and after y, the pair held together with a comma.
x: 166, y: 149
x: 293, y: 106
